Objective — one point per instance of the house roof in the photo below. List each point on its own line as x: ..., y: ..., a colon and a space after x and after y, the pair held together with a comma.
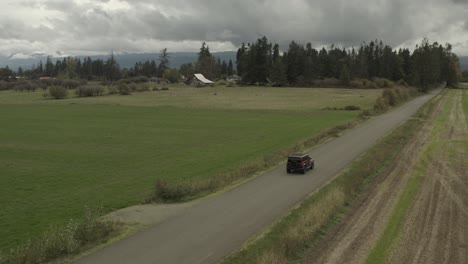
x: 202, y: 78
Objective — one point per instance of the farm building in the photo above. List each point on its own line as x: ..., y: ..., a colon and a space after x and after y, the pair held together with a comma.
x: 200, y: 80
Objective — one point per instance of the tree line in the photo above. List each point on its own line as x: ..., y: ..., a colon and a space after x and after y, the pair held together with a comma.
x: 89, y: 69
x: 429, y: 64
x: 263, y: 63
x: 109, y: 69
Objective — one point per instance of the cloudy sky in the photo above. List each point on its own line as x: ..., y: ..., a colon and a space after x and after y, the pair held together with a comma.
x: 89, y: 27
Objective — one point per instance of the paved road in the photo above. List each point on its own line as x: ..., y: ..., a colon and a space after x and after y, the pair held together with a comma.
x: 217, y: 226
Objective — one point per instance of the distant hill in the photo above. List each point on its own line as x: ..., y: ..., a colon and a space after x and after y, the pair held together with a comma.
x: 125, y: 60
x: 464, y: 63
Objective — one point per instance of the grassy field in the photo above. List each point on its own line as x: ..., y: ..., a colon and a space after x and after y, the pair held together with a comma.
x: 57, y: 156
x: 220, y: 97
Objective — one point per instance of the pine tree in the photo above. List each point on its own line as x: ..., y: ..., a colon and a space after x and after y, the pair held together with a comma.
x: 112, y: 69
x: 345, y: 78
x: 206, y: 63
x: 163, y: 62
x: 230, y: 68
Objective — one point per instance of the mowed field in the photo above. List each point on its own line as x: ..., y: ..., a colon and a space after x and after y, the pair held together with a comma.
x: 57, y: 156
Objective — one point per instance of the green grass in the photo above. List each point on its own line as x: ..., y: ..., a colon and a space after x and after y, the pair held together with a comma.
x: 465, y: 102
x: 57, y: 156
x: 381, y: 250
x: 241, y: 98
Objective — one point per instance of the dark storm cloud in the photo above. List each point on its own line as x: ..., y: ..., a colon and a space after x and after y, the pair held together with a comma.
x: 347, y: 22
x: 144, y: 25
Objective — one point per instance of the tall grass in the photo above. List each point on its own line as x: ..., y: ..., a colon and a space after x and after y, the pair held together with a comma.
x: 392, y: 97
x: 62, y: 241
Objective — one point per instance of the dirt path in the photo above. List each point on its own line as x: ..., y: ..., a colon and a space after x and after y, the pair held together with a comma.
x: 436, y: 229
x: 351, y: 241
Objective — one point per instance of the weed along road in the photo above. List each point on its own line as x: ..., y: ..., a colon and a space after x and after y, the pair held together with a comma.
x: 218, y: 225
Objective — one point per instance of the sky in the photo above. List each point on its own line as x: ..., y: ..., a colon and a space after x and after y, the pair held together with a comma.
x: 93, y: 27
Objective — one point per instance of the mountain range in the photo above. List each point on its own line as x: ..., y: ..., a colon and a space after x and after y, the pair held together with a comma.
x: 126, y: 60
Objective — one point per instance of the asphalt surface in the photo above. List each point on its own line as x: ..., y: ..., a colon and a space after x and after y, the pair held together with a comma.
x: 219, y: 225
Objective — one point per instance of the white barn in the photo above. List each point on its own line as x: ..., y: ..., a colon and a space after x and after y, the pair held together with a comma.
x: 200, y: 80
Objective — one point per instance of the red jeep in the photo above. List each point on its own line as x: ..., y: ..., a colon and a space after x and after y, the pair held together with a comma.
x: 299, y: 162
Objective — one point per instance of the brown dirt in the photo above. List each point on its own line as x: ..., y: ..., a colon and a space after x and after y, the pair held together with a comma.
x: 352, y: 239
x: 436, y: 228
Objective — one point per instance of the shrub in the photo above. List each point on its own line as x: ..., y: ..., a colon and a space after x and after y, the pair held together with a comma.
x: 402, y: 83
x: 381, y: 105
x: 3, y: 85
x: 70, y: 84
x: 25, y: 86
x: 112, y: 89
x: 391, y: 96
x: 355, y: 84
x: 61, y: 241
x: 7, y: 85
x: 329, y: 82
x: 136, y: 79
x: 164, y: 89
x: 124, y: 89
x: 383, y: 83
x: 173, y: 192
x: 46, y: 83
x: 90, y: 90
x: 402, y: 93
x: 133, y: 86
x: 352, y: 107
x: 58, y: 92
x: 144, y: 87
x: 139, y: 79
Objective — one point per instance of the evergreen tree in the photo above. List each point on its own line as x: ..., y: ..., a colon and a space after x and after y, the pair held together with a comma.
x: 241, y: 59
x: 230, y: 68
x: 111, y: 69
x: 294, y: 59
x: 277, y: 76
x: 163, y: 62
x: 49, y: 67
x: 224, y: 70
x: 345, y: 78
x: 206, y: 63
x: 187, y: 70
